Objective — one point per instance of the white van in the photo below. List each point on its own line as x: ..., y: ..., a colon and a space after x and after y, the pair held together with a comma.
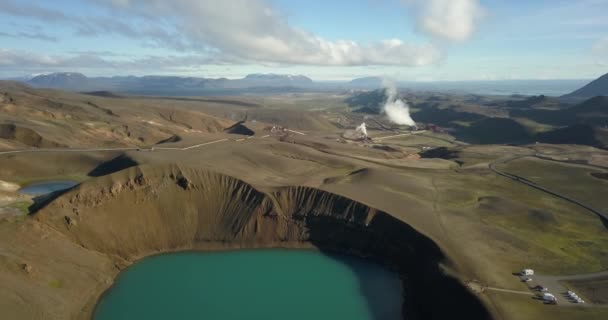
x: 548, y: 297
x: 527, y: 272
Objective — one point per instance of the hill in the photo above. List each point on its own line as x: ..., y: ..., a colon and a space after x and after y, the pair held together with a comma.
x: 495, y: 131
x: 426, y: 218
x: 367, y: 102
x: 509, y: 131
x: 47, y: 118
x: 533, y: 102
x: 593, y: 111
x: 596, y: 106
x: 446, y: 117
x: 597, y: 87
x: 60, y: 80
x: 582, y: 134
x: 366, y: 82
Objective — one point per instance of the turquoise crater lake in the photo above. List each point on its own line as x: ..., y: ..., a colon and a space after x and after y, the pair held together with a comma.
x: 253, y: 284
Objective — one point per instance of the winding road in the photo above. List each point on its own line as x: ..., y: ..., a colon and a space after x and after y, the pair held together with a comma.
x: 116, y: 149
x: 553, y: 283
x: 603, y: 216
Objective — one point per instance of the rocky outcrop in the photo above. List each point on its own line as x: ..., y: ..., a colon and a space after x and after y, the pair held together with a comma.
x: 240, y: 128
x: 171, y: 139
x: 148, y: 210
x: 25, y: 136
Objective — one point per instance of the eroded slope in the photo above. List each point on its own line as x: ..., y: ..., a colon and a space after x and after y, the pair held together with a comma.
x: 153, y: 209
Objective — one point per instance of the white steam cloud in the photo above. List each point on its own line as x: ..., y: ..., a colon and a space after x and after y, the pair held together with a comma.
x: 397, y: 110
x: 362, y: 128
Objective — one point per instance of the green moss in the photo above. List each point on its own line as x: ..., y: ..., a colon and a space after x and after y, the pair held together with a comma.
x: 24, y: 181
x: 23, y: 206
x: 570, y: 180
x: 55, y: 283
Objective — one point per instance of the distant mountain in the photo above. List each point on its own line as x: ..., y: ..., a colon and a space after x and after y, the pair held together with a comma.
x: 167, y: 85
x: 270, y: 79
x: 366, y: 82
x: 597, y: 87
x: 60, y: 80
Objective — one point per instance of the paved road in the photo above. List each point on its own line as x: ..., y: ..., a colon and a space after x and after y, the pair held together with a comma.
x: 399, y: 135
x: 510, y: 291
x: 552, y: 283
x: 66, y: 150
x: 297, y: 132
x: 155, y: 148
x: 520, y: 179
x: 115, y: 149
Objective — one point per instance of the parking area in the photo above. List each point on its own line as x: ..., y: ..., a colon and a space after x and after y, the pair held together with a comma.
x: 554, y: 289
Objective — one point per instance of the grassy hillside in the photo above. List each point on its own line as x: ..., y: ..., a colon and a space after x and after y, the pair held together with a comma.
x: 576, y: 134
x: 495, y: 131
x: 593, y: 112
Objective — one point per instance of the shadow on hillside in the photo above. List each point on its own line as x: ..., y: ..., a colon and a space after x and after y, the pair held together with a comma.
x: 381, y: 288
x: 42, y: 200
x: 117, y: 164
x: 389, y: 242
x: 604, y: 222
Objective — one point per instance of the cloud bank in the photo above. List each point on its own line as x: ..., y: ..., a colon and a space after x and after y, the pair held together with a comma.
x: 253, y: 31
x: 600, y: 51
x: 235, y: 32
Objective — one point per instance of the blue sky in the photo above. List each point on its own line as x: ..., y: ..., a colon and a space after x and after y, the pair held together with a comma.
x: 419, y: 40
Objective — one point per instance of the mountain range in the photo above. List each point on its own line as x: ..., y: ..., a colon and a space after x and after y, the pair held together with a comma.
x: 166, y: 85
x: 174, y: 85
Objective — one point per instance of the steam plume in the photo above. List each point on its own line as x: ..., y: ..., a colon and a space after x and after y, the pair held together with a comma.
x: 397, y: 110
x: 362, y: 128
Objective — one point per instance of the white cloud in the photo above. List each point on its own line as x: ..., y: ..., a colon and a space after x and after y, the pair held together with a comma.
x: 29, y: 35
x: 253, y: 31
x: 25, y: 61
x: 600, y: 51
x: 15, y: 58
x: 453, y: 20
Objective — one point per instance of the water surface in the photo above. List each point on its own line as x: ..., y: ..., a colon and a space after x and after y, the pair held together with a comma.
x: 46, y: 187
x: 254, y: 285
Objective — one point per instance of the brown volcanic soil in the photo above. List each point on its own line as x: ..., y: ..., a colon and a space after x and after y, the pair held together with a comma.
x: 48, y: 118
x: 25, y: 136
x: 292, y: 191
x: 104, y: 225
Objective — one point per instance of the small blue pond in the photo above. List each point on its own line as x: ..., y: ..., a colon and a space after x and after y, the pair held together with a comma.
x: 41, y: 188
